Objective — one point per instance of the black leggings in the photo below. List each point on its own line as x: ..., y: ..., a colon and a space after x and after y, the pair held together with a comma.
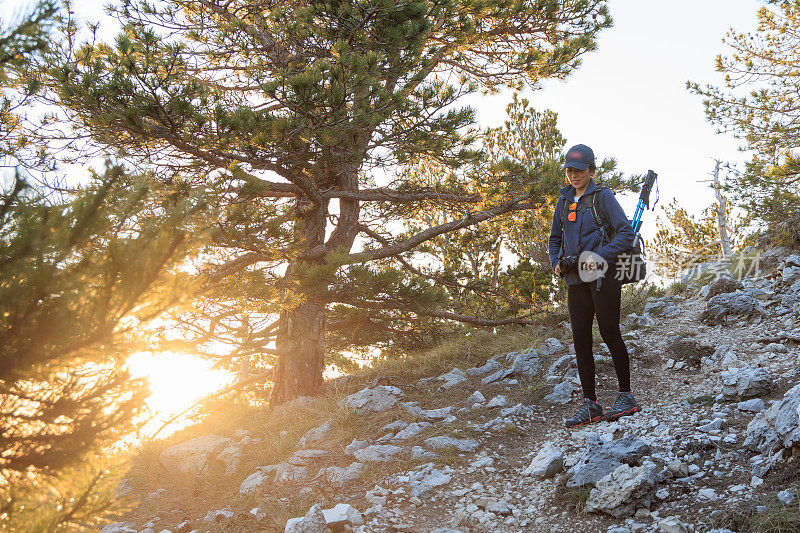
x: 585, y: 302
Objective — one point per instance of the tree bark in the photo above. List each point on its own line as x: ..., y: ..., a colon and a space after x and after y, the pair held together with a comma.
x: 300, y: 338
x: 300, y: 345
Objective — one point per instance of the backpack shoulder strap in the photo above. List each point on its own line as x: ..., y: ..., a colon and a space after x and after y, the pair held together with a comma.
x: 563, y: 212
x: 597, y: 213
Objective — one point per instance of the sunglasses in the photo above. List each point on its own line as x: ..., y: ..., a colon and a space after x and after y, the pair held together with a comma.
x: 572, y: 207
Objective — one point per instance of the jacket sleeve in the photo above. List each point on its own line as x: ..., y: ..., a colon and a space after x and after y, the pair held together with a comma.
x: 623, y: 232
x: 554, y: 245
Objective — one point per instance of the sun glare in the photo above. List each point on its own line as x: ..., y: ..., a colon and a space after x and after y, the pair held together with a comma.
x: 177, y: 381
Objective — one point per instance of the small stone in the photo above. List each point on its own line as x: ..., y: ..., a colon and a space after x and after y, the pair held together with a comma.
x: 463, y: 445
x: 662, y: 494
x: 476, y: 397
x: 547, y: 463
x: 452, y: 378
x: 497, y: 376
x: 707, y: 494
x: 714, y: 425
x: 497, y: 401
x: 418, y: 453
x: 562, y: 393
x: 490, y: 366
x: 786, y: 497
x: 317, y: 434
x: 671, y: 525
x: 410, y: 431
x: 379, y: 453
x: 342, y: 513
x: 374, y: 400
x: 754, y: 405
x: 312, y: 522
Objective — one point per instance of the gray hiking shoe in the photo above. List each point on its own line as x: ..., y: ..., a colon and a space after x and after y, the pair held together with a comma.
x: 589, y: 412
x: 624, y: 405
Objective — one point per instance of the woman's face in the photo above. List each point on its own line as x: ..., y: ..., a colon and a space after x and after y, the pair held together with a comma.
x: 579, y: 178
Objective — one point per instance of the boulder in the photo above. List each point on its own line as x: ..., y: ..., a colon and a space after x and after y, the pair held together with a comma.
x: 312, y: 522
x: 777, y: 427
x: 378, y: 453
x: 342, y: 514
x: 452, y: 378
x: 338, y: 475
x: 256, y: 480
x: 722, y: 285
x: 625, y: 490
x: 497, y: 376
x: 527, y: 363
x: 194, y: 456
x: 601, y: 458
x: 306, y: 457
x: 557, y: 368
x: 722, y: 306
x: 550, y: 347
x: 562, y: 393
x: 748, y: 382
x: 424, y: 480
x: 462, y: 445
x: 411, y: 430
x: 497, y: 401
x: 354, y: 446
x: 754, y: 405
x: 231, y: 456
x: 316, y: 435
x: 491, y: 366
x: 289, y: 473
x: 662, y: 307
x: 476, y: 397
x: 790, y: 274
x: 374, y: 400
x: 547, y: 463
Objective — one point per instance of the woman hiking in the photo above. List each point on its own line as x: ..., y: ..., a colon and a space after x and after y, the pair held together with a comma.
x: 581, y: 252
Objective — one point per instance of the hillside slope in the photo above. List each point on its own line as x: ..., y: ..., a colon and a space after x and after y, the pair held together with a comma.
x: 483, y: 447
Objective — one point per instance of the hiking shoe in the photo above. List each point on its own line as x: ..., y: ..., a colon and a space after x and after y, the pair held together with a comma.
x: 624, y: 405
x: 589, y: 412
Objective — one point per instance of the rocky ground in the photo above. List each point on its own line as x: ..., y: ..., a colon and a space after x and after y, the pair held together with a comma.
x: 483, y: 448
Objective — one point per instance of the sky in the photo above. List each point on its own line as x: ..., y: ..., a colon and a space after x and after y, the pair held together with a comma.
x: 628, y: 99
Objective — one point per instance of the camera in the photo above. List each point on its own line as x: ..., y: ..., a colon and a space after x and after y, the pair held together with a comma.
x: 568, y: 264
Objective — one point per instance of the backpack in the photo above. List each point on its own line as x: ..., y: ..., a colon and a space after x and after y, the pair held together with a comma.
x: 630, y: 263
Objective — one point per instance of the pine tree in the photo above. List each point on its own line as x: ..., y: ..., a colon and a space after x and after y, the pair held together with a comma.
x: 684, y: 240
x: 80, y: 269
x: 760, y: 105
x: 303, y: 106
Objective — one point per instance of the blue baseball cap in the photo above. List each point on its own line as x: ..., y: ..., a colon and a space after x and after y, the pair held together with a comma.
x: 579, y: 156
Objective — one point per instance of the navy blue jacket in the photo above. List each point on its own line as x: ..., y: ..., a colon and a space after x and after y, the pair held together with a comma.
x: 591, y: 235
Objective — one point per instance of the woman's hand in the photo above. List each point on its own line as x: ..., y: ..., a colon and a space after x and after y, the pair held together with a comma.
x: 557, y: 269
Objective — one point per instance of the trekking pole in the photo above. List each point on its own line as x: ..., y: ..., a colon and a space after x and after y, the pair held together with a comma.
x: 644, y: 200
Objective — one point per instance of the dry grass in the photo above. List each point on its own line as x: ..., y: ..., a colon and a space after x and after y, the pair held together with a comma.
x: 279, y: 432
x: 463, y: 351
x: 776, y: 518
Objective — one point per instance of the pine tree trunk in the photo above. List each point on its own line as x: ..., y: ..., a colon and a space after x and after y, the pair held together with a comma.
x: 300, y: 343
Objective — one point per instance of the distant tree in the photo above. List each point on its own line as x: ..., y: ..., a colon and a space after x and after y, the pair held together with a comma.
x: 683, y: 240
x: 304, y: 107
x: 760, y: 104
